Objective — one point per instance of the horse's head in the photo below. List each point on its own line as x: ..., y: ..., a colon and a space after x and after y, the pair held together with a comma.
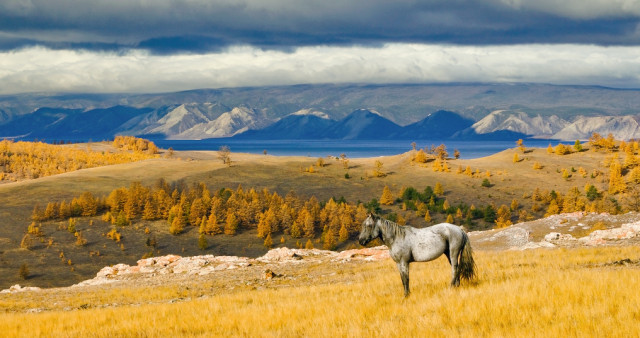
x: 370, y: 230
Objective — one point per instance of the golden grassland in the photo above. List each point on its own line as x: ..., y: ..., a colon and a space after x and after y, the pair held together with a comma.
x: 558, y: 292
x: 509, y: 180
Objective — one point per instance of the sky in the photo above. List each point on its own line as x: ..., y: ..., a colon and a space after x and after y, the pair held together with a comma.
x: 144, y: 46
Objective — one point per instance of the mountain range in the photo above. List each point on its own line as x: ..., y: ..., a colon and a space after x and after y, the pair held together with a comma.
x: 429, y: 111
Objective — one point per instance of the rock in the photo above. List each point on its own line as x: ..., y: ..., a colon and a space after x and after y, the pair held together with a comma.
x: 534, y: 245
x: 556, y: 236
x: 18, y: 288
x: 600, y: 237
x: 552, y: 236
x: 268, y: 274
x: 513, y: 236
x: 367, y: 254
x: 106, y: 272
x: 285, y: 254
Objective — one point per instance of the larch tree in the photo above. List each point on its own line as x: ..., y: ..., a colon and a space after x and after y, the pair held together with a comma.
x: 296, y: 231
x: 343, y: 235
x: 378, y: 171
x: 212, y: 227
x: 503, y: 217
x: 203, y: 244
x: 308, y: 245
x: 577, y: 146
x: 438, y: 189
x: 616, y: 182
x: 177, y: 225
x: 268, y: 242
x: 427, y: 217
x: 224, y: 154
x: 420, y: 157
x: 231, y: 225
x: 329, y: 239
x: 514, y: 204
x: 553, y: 208
x: 387, y: 197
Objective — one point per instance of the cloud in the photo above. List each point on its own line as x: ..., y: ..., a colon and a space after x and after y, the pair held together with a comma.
x: 580, y: 9
x: 39, y: 69
x: 201, y: 26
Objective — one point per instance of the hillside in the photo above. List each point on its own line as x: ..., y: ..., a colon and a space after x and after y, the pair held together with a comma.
x: 575, y: 291
x: 56, y: 260
x: 570, y: 273
x: 536, y: 110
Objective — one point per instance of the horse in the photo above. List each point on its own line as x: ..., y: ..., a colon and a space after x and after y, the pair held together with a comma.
x: 408, y: 244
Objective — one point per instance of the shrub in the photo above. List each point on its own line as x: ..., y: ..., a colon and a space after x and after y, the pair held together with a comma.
x: 72, y: 225
x: 268, y: 242
x: 486, y: 183
x: 202, y: 242
x: 24, y: 271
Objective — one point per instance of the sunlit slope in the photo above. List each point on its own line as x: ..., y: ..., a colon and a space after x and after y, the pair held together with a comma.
x: 559, y: 292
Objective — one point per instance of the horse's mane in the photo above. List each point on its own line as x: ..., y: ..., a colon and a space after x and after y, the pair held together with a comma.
x: 391, y: 229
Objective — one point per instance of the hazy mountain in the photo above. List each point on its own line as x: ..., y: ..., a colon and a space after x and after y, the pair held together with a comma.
x: 538, y: 110
x: 51, y: 123
x: 177, y: 120
x: 362, y: 124
x: 440, y: 124
x: 622, y: 128
x: 520, y: 122
x: 238, y: 120
x: 297, y: 126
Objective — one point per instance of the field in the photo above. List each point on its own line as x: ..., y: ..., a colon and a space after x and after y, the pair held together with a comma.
x: 559, y: 292
x: 509, y: 180
x: 542, y: 292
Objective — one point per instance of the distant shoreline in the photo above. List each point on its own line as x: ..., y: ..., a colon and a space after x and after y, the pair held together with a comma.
x: 351, y: 148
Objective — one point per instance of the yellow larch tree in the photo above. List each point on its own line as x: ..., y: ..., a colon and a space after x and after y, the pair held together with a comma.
x: 386, y: 198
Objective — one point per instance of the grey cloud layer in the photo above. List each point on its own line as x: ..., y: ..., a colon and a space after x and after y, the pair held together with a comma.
x: 39, y: 69
x: 172, y: 26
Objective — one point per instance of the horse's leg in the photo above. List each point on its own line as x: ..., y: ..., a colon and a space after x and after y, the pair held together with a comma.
x: 403, y: 267
x: 454, y: 252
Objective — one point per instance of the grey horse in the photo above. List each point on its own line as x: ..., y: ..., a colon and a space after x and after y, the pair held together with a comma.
x: 408, y: 244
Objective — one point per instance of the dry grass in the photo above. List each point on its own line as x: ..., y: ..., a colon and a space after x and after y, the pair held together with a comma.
x: 560, y: 292
x: 280, y: 174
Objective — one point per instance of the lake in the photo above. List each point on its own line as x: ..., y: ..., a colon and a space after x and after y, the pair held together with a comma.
x: 351, y: 148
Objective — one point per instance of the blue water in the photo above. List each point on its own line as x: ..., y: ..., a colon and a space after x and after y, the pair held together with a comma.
x: 351, y: 148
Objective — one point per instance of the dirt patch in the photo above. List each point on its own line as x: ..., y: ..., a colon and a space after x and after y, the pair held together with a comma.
x: 621, y: 263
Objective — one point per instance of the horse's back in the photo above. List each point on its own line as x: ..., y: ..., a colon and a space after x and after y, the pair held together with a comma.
x: 450, y: 232
x: 445, y: 228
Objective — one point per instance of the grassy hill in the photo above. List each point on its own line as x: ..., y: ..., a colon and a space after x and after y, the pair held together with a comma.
x: 574, y: 292
x: 63, y: 263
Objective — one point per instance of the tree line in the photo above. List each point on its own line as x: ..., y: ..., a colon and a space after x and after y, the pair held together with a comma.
x: 225, y: 211
x: 27, y: 160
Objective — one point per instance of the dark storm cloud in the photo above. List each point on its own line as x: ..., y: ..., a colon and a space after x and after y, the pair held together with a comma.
x: 199, y: 26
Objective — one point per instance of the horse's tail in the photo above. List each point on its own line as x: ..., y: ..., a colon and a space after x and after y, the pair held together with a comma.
x: 466, y: 264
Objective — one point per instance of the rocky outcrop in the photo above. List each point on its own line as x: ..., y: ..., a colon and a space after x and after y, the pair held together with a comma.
x: 600, y: 237
x: 567, y: 230
x: 18, y: 288
x: 207, y: 264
